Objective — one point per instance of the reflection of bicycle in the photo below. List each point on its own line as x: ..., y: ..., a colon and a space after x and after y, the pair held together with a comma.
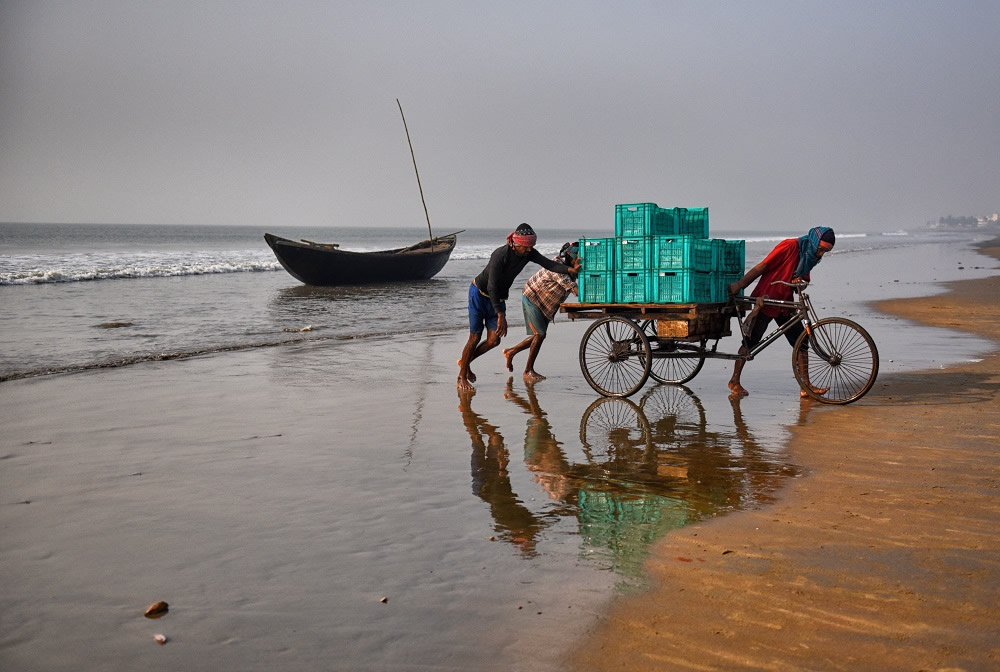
x: 629, y: 343
x: 614, y: 433
x: 673, y: 414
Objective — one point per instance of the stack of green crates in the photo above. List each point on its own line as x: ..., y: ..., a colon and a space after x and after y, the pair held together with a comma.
x: 659, y: 255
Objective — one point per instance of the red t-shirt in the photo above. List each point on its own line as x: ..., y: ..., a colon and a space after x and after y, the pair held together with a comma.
x: 781, y: 265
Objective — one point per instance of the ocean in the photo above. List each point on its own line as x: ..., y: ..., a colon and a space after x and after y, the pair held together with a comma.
x: 77, y: 297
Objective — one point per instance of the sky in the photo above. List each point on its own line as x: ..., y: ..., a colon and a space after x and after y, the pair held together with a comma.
x: 777, y: 115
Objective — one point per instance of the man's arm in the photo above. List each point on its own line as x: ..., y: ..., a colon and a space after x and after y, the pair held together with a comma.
x: 551, y: 264
x: 745, y: 281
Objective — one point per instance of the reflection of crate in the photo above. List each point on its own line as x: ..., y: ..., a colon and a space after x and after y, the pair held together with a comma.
x: 681, y: 287
x: 632, y: 286
x: 730, y: 255
x: 597, y: 254
x: 644, y: 219
x: 632, y: 253
x: 691, y: 222
x: 596, y: 286
x: 682, y: 253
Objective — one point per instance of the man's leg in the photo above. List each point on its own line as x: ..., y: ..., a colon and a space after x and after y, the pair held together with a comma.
x: 735, y: 388
x: 757, y: 330
x: 530, y: 375
x: 465, y: 375
x: 492, y: 341
x: 803, y: 364
x: 510, y: 352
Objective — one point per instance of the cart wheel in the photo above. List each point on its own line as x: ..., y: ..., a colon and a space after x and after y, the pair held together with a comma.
x: 843, y: 360
x: 676, y: 369
x: 615, y: 356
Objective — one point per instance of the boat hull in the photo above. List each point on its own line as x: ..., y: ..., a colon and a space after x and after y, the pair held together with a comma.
x: 326, y: 266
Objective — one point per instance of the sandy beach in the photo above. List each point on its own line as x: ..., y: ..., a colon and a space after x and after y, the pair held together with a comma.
x: 885, y: 557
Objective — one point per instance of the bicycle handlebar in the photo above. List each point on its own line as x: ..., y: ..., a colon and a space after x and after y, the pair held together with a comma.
x: 796, y: 285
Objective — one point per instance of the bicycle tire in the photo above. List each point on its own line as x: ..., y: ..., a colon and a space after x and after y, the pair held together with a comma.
x: 615, y: 356
x: 853, y: 366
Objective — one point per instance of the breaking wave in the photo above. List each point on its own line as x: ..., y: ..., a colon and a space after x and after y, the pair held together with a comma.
x: 44, y: 269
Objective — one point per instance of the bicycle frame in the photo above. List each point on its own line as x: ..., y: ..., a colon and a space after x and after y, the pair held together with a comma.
x: 802, y: 312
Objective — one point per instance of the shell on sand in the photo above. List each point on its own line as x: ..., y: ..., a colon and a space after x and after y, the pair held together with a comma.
x: 157, y: 609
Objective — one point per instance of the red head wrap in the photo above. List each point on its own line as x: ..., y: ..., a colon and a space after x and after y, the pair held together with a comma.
x: 528, y: 240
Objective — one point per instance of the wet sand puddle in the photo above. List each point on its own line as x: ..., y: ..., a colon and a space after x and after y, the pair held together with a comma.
x: 642, y: 468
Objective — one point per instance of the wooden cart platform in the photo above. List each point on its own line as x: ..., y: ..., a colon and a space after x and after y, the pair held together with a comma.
x: 681, y: 321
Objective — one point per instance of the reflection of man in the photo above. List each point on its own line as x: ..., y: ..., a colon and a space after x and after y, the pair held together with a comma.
x: 491, y: 480
x: 542, y: 453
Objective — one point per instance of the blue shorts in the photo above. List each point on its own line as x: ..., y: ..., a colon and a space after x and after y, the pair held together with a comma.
x: 481, y: 311
x: 533, y: 317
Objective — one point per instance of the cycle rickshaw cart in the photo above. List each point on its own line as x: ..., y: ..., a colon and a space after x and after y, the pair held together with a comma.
x: 628, y: 343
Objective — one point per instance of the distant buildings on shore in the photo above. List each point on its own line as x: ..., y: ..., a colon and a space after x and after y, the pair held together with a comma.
x: 951, y: 223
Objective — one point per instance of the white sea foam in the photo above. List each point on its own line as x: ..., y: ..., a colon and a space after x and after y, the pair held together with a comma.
x: 42, y: 269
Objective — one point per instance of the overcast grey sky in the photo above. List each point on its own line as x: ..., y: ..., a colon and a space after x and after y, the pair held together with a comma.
x: 775, y: 114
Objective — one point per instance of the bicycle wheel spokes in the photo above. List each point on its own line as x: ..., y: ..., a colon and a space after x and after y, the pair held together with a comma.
x: 614, y: 356
x: 842, y: 361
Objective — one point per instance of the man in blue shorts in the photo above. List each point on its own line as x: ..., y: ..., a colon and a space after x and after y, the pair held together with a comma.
x: 488, y: 296
x: 543, y: 292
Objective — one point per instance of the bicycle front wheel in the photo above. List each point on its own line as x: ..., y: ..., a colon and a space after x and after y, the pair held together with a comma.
x: 614, y: 356
x: 841, y: 361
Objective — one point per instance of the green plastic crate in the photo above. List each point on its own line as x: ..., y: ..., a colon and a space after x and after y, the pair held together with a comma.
x: 632, y: 253
x: 681, y: 287
x: 632, y: 286
x: 691, y: 222
x: 596, y: 286
x: 682, y: 253
x: 730, y: 255
x: 643, y: 219
x: 597, y: 254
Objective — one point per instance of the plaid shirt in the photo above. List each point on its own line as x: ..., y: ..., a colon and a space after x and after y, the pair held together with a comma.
x: 547, y: 290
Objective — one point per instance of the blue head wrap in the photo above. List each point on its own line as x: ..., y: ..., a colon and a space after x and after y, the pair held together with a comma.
x: 808, y: 245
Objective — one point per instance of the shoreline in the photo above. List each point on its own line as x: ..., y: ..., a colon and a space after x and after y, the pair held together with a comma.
x: 884, y: 557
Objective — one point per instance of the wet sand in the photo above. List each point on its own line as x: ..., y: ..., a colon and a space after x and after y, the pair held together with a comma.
x: 886, y: 556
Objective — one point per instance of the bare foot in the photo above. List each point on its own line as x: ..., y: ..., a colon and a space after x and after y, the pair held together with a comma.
x: 464, y: 384
x: 532, y: 377
x: 819, y: 391
x: 737, y: 390
x: 509, y: 356
x: 471, y: 376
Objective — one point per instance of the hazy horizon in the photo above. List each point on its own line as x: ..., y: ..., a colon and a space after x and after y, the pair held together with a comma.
x: 776, y: 115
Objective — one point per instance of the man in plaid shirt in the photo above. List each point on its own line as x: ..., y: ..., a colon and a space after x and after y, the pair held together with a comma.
x: 542, y: 294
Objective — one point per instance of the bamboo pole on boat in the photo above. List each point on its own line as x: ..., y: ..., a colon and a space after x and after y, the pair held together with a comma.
x: 430, y: 235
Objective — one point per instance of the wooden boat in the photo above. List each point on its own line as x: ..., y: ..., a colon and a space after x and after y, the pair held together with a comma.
x: 326, y: 265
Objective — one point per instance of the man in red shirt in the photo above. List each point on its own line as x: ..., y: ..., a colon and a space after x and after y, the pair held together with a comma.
x: 790, y: 261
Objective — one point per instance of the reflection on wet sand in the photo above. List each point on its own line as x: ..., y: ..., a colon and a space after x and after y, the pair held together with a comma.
x: 646, y: 468
x: 513, y: 521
